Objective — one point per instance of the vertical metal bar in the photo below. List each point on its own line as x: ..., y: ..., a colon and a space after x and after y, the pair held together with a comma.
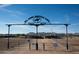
x: 37, y: 38
x: 8, y: 36
x: 44, y: 46
x: 36, y: 33
x: 67, y: 45
x: 29, y: 44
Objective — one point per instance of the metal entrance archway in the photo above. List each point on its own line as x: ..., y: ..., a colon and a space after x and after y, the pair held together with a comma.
x: 38, y: 21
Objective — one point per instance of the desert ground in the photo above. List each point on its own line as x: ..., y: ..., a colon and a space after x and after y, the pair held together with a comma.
x: 20, y: 45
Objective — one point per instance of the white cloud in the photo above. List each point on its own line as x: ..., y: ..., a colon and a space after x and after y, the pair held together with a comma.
x: 55, y: 22
x: 4, y: 5
x: 75, y: 14
x: 53, y: 28
x: 11, y: 12
x: 67, y: 18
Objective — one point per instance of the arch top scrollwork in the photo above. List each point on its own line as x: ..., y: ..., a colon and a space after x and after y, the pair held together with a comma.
x: 37, y: 20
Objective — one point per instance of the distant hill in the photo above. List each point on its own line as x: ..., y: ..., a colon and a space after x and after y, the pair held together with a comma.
x: 40, y: 35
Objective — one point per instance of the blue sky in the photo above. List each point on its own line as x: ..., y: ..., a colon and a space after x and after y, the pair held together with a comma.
x: 18, y: 13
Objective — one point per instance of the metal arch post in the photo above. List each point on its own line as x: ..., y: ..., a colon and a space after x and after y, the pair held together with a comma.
x: 8, y: 36
x: 37, y: 37
x: 67, y: 44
